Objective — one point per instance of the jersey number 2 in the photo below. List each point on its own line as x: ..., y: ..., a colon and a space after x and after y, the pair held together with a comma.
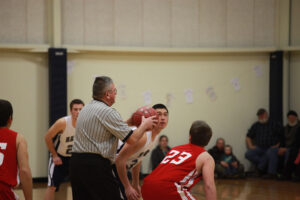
x: 3, y: 147
x: 178, y: 160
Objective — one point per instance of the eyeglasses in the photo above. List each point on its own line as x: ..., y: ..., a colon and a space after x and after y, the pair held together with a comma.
x: 114, y: 90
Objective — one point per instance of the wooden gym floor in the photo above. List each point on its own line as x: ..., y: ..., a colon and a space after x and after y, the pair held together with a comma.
x: 248, y: 189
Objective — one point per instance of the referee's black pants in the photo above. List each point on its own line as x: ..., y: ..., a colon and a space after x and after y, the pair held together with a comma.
x: 91, y: 178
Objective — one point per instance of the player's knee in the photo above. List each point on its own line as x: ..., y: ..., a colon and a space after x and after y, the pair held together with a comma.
x: 52, y: 188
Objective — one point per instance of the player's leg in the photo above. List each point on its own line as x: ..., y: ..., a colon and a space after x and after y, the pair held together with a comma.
x: 55, y: 177
x: 49, y: 194
x: 63, y: 191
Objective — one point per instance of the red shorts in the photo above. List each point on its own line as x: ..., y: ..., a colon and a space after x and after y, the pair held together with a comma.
x: 6, y: 192
x: 164, y: 191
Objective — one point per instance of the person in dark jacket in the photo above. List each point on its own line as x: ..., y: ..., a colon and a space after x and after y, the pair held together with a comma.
x: 289, y: 145
x: 263, y: 141
x: 217, y: 153
x: 160, y: 151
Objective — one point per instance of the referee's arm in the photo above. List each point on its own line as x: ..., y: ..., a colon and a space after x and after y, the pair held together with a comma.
x: 135, y: 136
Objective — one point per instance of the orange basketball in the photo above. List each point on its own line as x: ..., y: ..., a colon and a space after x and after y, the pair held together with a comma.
x: 142, y: 111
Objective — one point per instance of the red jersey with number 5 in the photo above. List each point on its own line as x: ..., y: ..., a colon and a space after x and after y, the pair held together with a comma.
x: 8, y: 157
x: 175, y: 175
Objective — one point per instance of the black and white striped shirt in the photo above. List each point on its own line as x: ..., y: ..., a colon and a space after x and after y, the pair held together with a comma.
x: 98, y: 129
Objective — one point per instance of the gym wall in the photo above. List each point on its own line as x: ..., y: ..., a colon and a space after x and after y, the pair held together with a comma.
x: 24, y: 82
x: 230, y: 115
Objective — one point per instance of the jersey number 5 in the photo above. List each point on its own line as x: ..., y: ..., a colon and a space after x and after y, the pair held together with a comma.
x: 3, y: 147
x: 182, y: 156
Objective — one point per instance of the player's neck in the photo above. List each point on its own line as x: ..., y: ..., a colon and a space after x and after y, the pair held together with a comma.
x: 7, y: 126
x: 155, y: 132
x: 74, y: 122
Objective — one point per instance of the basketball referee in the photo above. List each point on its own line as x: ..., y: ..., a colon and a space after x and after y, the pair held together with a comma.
x: 95, y: 144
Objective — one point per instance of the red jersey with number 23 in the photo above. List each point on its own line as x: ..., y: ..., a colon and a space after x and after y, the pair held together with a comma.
x: 8, y: 157
x: 174, y: 176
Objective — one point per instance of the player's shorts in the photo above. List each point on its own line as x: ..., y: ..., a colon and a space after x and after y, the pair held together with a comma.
x: 58, y: 173
x: 6, y: 193
x: 165, y: 191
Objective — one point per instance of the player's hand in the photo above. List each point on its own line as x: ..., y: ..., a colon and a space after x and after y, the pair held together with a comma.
x: 132, y: 194
x: 57, y: 160
x: 138, y: 189
x: 150, y: 122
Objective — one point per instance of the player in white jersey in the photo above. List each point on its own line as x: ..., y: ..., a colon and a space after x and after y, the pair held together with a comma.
x: 59, y: 140
x: 130, y: 156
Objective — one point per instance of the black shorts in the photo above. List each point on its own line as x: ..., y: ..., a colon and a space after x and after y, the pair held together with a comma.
x: 92, y: 178
x: 58, y: 173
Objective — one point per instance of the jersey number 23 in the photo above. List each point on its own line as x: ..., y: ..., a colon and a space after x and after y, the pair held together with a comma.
x: 176, y: 157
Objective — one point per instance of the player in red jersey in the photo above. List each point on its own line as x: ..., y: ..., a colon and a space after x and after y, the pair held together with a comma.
x: 13, y: 157
x: 182, y: 168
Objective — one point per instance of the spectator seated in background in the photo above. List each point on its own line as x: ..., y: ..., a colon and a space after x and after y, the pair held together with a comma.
x: 217, y: 153
x: 263, y: 153
x: 160, y: 151
x: 230, y: 163
x: 289, y: 146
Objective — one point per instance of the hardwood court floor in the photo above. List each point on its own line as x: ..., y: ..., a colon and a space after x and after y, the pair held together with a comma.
x: 248, y: 189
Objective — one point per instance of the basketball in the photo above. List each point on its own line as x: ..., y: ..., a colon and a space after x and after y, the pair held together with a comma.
x: 142, y: 111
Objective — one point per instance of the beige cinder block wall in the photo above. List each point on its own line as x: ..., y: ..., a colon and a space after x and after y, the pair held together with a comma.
x: 230, y: 115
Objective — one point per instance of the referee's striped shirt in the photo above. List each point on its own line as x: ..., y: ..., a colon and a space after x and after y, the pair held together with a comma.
x: 98, y: 129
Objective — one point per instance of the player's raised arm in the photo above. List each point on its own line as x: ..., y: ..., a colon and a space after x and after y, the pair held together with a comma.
x: 205, y: 165
x: 56, y: 128
x: 23, y: 165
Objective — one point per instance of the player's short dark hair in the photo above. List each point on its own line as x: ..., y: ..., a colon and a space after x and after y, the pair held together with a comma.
x: 229, y: 146
x: 261, y: 111
x: 6, y: 111
x: 160, y: 106
x: 100, y: 86
x: 163, y: 136
x: 76, y: 101
x: 200, y: 133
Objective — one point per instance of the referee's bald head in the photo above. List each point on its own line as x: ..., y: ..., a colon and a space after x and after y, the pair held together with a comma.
x: 100, y: 86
